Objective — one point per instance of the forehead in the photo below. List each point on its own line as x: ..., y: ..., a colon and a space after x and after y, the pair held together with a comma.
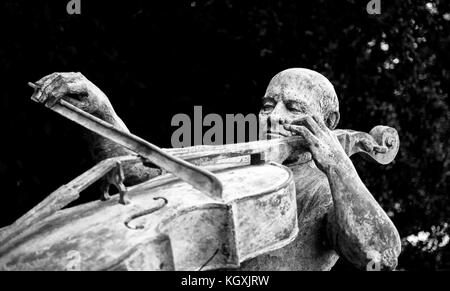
x: 300, y: 85
x: 289, y: 91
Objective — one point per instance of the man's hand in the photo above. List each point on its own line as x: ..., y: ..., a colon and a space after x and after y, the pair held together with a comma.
x: 75, y: 89
x: 324, y: 146
x: 82, y: 93
x: 357, y: 227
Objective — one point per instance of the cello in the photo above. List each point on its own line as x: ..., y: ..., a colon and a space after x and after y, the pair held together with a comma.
x: 215, y: 206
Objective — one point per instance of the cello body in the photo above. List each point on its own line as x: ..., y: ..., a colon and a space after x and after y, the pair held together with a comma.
x: 168, y: 227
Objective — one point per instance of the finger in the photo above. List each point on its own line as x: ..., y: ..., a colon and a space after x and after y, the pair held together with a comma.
x: 37, y: 94
x: 39, y: 85
x: 308, y: 122
x: 62, y: 90
x: 71, y: 92
x: 70, y: 76
x: 320, y: 122
x: 48, y: 90
x: 380, y: 149
x: 43, y: 88
x: 366, y: 144
x: 47, y: 79
x: 309, y: 137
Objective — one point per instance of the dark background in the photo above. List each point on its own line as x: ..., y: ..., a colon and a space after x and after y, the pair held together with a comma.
x: 156, y: 59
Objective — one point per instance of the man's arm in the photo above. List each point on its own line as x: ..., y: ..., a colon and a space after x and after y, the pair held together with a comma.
x: 79, y: 91
x: 357, y: 227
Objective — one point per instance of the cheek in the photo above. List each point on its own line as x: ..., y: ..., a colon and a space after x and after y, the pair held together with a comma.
x: 262, y: 118
x: 291, y: 117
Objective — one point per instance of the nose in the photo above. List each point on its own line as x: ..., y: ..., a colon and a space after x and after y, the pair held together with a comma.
x: 278, y: 114
x: 277, y: 118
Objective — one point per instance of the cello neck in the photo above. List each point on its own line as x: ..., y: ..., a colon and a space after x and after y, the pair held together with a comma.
x: 380, y: 145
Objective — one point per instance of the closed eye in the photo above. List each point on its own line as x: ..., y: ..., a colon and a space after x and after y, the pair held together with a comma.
x: 268, y: 104
x: 268, y: 107
x: 296, y: 107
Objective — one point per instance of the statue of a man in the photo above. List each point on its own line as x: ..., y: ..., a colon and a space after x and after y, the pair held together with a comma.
x: 337, y: 215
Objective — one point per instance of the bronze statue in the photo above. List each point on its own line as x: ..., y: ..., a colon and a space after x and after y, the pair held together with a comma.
x: 336, y: 214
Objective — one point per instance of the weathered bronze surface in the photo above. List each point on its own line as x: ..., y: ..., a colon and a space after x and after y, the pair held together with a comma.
x: 334, y: 213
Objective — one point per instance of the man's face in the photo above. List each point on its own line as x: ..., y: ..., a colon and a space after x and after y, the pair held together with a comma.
x: 288, y: 97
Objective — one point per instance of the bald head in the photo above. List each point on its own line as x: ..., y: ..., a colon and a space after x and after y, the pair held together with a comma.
x: 293, y: 94
x: 306, y: 85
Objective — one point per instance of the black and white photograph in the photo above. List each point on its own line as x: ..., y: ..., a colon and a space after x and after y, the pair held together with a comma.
x: 225, y: 135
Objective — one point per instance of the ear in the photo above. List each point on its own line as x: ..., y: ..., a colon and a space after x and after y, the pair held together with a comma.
x: 332, y: 119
